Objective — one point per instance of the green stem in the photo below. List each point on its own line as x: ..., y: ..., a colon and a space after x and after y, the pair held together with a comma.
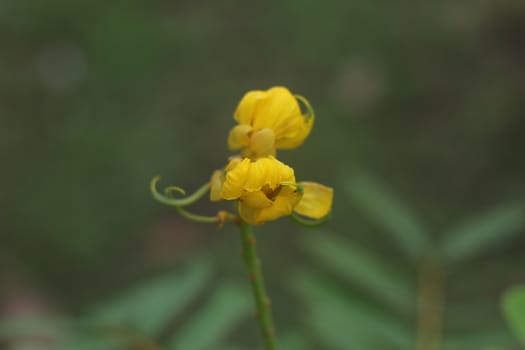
x: 261, y: 300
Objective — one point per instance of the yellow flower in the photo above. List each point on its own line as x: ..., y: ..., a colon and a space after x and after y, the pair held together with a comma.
x: 266, y: 190
x: 269, y: 120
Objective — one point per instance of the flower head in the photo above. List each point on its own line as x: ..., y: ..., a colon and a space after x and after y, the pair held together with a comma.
x: 263, y: 188
x: 266, y: 190
x: 269, y: 120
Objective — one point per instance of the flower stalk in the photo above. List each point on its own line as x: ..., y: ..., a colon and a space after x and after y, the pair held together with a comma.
x: 253, y: 265
x: 263, y: 188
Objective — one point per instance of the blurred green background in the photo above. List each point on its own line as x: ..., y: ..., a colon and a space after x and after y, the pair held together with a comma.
x: 420, y: 129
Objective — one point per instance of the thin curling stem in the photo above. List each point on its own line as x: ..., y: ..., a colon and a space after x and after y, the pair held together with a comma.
x: 183, y: 212
x: 177, y: 202
x: 307, y: 104
x: 197, y: 218
x: 262, y: 302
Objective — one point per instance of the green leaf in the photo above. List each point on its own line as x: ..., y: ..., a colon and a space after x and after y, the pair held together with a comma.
x: 482, y: 232
x: 514, y: 311
x: 344, y: 321
x: 362, y: 268
x: 229, y: 305
x: 391, y: 213
x: 150, y: 307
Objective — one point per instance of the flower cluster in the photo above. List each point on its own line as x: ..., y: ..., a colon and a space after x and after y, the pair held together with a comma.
x: 264, y: 188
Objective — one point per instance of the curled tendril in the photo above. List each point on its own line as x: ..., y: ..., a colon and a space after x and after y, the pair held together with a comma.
x: 198, y: 218
x: 297, y: 186
x: 169, y: 198
x: 168, y: 191
x: 309, y: 222
x: 309, y: 108
x: 176, y: 202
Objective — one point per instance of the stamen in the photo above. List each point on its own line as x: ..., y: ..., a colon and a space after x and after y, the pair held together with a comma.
x: 273, y: 193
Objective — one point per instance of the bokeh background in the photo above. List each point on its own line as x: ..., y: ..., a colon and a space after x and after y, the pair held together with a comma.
x: 420, y: 129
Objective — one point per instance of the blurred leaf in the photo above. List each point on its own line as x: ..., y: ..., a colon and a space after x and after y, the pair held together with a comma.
x: 293, y: 341
x: 489, y: 339
x: 390, y: 212
x: 85, y: 342
x: 481, y: 232
x: 70, y: 334
x: 342, y: 321
x: 471, y: 312
x: 150, y: 307
x: 32, y: 326
x: 229, y: 305
x: 514, y: 311
x: 362, y: 268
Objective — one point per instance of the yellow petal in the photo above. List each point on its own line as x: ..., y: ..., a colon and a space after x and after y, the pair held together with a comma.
x: 239, y: 136
x: 285, y: 202
x: 262, y: 143
x: 267, y: 171
x: 256, y: 200
x: 277, y: 111
x: 281, y: 112
x: 248, y: 214
x: 317, y: 200
x: 277, y: 173
x: 234, y: 161
x: 233, y: 186
x: 257, y: 175
x: 216, y: 182
x: 293, y: 139
x: 251, y: 176
x: 245, y: 111
x: 283, y: 205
